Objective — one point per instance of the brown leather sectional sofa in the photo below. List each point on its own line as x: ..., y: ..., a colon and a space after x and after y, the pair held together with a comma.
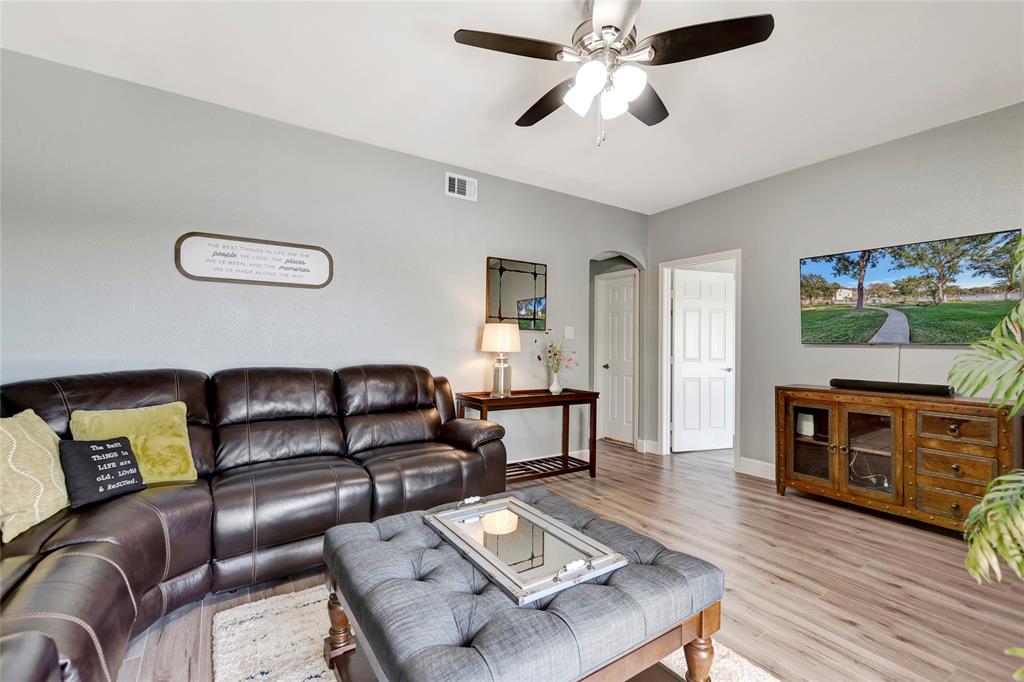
x: 283, y: 454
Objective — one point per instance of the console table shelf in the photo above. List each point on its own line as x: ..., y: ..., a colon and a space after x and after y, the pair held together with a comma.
x: 527, y: 470
x: 530, y: 469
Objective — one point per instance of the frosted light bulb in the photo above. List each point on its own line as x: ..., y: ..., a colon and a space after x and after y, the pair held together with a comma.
x: 577, y: 100
x: 613, y: 104
x: 630, y: 81
x: 592, y: 77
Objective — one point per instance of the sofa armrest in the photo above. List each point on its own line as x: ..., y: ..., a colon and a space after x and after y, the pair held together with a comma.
x: 29, y: 656
x: 470, y: 434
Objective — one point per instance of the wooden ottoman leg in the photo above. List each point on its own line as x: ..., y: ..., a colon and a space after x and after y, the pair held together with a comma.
x: 339, y: 640
x: 699, y: 656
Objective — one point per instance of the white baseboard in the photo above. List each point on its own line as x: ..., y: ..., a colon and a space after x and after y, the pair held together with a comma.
x: 756, y: 467
x: 650, y: 446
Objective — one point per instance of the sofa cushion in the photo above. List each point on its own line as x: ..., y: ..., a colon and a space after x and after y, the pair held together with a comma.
x: 158, y: 435
x: 55, y: 399
x: 82, y: 599
x: 387, y: 405
x: 420, y: 475
x: 32, y: 486
x: 265, y: 414
x: 166, y: 528
x: 271, y: 503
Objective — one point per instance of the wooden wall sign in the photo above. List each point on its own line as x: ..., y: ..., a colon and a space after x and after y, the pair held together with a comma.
x: 222, y: 258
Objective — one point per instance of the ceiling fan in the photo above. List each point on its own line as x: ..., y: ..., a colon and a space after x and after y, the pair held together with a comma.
x: 606, y: 48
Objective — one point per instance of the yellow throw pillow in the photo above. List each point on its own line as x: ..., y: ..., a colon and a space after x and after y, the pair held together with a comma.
x: 31, y: 480
x: 158, y: 435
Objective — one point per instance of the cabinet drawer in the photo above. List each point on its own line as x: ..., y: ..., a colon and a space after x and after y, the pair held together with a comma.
x: 945, y: 502
x: 965, y: 468
x: 958, y: 428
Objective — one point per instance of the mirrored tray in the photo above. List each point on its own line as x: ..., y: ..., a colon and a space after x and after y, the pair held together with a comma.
x: 521, y: 549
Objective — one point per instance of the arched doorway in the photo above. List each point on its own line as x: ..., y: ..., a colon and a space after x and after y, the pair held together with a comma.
x: 616, y: 343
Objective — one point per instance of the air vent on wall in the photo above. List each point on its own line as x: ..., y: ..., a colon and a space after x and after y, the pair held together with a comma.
x: 460, y: 186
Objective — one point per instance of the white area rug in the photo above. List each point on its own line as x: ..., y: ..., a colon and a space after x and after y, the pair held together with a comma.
x: 281, y: 638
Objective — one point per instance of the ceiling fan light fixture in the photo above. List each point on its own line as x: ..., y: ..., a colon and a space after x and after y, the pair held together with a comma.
x: 577, y: 100
x: 613, y: 104
x: 629, y: 81
x: 592, y: 77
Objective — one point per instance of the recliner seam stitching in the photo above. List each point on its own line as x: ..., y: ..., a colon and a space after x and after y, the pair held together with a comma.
x: 167, y: 535
x: 255, y: 538
x: 337, y: 496
x: 78, y: 621
x: 127, y: 584
x: 248, y: 421
x: 316, y: 418
x: 63, y: 397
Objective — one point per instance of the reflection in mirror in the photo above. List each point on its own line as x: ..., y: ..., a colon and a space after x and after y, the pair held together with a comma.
x: 517, y: 291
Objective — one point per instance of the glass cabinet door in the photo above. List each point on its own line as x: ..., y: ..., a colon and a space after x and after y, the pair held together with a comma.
x: 870, y: 452
x: 812, y: 442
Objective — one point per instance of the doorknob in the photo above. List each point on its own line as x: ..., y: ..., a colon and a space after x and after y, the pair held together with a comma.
x: 727, y: 369
x: 605, y: 365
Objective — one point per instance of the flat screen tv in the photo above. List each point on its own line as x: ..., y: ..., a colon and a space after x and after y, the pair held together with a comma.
x: 944, y: 292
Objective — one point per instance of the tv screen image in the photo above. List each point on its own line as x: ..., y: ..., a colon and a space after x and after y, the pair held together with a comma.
x: 943, y: 292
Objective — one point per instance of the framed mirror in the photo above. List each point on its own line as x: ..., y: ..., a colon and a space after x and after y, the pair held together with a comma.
x: 517, y: 291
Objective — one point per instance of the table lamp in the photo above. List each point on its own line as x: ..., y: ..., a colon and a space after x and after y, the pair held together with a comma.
x: 501, y: 338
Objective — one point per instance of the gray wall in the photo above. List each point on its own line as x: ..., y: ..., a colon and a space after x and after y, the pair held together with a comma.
x: 963, y: 178
x: 101, y: 176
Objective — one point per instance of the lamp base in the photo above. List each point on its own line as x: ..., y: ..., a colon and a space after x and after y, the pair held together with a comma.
x: 501, y: 383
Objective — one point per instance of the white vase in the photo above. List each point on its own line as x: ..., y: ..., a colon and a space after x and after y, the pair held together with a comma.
x: 555, y: 387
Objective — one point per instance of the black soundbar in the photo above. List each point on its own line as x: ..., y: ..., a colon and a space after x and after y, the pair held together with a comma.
x: 894, y: 387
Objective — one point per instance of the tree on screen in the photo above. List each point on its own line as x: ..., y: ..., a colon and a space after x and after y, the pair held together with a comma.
x: 939, y: 262
x: 816, y: 289
x: 879, y: 290
x: 996, y: 260
x: 854, y: 265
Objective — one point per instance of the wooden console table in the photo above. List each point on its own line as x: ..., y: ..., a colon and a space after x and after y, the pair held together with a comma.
x: 527, y: 470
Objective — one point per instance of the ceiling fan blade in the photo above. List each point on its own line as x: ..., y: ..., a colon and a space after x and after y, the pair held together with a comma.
x: 547, y: 104
x: 526, y: 47
x: 701, y: 40
x: 648, y: 107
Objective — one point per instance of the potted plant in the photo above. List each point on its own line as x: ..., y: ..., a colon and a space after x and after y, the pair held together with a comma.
x: 994, y: 528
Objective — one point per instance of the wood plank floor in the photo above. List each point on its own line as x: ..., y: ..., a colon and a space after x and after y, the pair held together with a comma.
x: 815, y: 590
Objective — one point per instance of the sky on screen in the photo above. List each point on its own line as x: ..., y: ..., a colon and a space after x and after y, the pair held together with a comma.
x: 884, y: 271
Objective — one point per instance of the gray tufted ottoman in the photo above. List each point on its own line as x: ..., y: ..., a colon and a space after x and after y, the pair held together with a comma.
x: 425, y: 614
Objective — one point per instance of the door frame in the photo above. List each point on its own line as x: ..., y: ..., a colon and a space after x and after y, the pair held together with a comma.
x: 600, y: 292
x: 665, y: 351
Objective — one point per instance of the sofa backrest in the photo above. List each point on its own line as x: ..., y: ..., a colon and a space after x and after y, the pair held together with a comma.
x: 263, y: 414
x: 55, y: 399
x: 387, y: 405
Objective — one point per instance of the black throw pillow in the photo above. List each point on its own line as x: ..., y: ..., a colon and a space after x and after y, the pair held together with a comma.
x: 96, y: 470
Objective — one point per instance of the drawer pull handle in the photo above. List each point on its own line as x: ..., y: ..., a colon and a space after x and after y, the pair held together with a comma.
x: 831, y: 447
x: 954, y: 429
x: 955, y: 468
x: 843, y: 449
x: 955, y: 508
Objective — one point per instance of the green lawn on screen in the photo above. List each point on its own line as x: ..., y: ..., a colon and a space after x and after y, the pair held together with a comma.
x: 960, y: 322
x: 839, y: 324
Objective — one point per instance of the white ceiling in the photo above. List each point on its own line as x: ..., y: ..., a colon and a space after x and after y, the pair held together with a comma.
x: 835, y: 77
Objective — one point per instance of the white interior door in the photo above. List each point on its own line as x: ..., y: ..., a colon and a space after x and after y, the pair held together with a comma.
x: 615, y: 342
x: 703, y: 360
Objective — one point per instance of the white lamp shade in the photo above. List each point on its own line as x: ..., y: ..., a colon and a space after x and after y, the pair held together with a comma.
x: 592, y: 77
x: 630, y: 81
x: 578, y: 101
x: 500, y: 337
x: 501, y: 522
x: 613, y: 104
